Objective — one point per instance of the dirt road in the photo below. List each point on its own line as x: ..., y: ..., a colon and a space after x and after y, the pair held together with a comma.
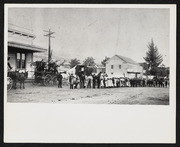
x: 126, y: 95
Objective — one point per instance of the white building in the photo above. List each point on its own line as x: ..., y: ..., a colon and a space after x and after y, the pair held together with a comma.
x: 119, y: 66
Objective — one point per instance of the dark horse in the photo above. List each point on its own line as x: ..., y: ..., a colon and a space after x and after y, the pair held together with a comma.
x: 16, y: 76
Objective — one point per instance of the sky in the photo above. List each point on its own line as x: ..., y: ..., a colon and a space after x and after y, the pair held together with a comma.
x: 97, y: 32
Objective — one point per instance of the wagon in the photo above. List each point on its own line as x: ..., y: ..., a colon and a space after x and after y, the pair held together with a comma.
x: 46, y: 78
x: 45, y: 72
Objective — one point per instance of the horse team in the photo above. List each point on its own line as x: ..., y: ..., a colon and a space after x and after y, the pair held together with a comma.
x: 18, y: 77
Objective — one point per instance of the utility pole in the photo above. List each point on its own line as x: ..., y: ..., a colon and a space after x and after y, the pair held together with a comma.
x: 49, y: 33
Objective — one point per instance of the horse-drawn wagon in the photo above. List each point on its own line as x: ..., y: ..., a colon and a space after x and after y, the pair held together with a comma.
x: 46, y: 78
x: 45, y: 74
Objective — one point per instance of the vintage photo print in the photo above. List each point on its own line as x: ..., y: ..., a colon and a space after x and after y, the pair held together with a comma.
x: 90, y: 73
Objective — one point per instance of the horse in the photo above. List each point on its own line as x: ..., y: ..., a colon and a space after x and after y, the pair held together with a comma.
x: 22, y: 78
x: 17, y: 76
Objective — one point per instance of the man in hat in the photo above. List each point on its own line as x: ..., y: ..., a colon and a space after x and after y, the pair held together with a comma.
x: 59, y: 79
x: 9, y: 65
x: 71, y: 81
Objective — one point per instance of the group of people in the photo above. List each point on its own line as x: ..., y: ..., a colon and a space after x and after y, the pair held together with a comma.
x: 90, y: 81
x: 101, y: 80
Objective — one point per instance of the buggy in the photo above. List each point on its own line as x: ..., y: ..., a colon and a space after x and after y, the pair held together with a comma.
x: 43, y: 75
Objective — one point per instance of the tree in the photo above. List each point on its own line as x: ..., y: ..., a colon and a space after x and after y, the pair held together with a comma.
x: 74, y: 62
x: 103, y: 62
x: 164, y: 71
x: 145, y: 67
x: 90, y: 70
x: 153, y: 58
x: 89, y: 61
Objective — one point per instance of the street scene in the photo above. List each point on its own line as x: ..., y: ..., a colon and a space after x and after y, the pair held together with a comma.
x: 88, y: 56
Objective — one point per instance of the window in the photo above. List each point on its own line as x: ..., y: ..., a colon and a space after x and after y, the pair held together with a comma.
x: 119, y: 66
x: 112, y: 66
x: 21, y: 60
x: 18, y: 60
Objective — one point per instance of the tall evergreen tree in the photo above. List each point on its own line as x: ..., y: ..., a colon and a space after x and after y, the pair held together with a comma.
x: 153, y: 58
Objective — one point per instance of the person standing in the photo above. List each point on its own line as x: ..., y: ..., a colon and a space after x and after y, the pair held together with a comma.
x: 104, y: 81
x: 77, y: 81
x: 89, y: 81
x: 9, y: 65
x: 166, y: 83
x: 82, y: 81
x: 113, y: 82
x: 94, y: 80
x: 59, y: 79
x: 99, y: 79
x: 71, y: 81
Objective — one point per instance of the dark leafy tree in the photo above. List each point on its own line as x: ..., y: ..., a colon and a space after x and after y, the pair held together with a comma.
x: 155, y: 71
x: 89, y: 61
x: 90, y: 70
x: 74, y: 62
x: 145, y: 67
x: 153, y: 58
x: 164, y: 71
x: 103, y: 62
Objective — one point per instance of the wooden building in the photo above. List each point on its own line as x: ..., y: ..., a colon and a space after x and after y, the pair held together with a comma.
x: 21, y: 49
x: 119, y: 66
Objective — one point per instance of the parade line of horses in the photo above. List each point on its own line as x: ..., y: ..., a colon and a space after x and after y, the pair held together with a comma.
x: 15, y: 77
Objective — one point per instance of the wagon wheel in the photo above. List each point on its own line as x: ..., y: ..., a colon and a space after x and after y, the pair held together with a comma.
x: 47, y: 80
x: 36, y: 80
x: 9, y: 83
x: 54, y: 80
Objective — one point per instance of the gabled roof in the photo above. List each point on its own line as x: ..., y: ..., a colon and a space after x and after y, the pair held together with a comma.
x: 127, y: 60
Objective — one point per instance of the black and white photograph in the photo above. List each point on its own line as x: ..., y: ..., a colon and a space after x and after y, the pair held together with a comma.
x: 116, y: 55
x: 88, y: 56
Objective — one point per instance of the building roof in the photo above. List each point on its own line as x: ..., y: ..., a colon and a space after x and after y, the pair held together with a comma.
x: 26, y: 46
x: 13, y: 31
x: 127, y: 60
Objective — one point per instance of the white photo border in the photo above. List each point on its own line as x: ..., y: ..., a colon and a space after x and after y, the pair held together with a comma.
x: 75, y: 123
